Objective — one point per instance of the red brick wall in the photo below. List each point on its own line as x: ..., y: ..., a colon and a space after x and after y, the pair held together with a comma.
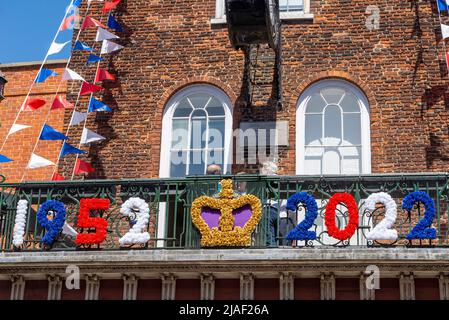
x: 5, y: 290
x: 266, y: 289
x: 111, y: 290
x: 19, y: 146
x: 172, y: 44
x: 307, y: 289
x: 227, y: 289
x: 427, y: 289
x: 389, y: 289
x: 74, y: 294
x: 347, y: 289
x: 149, y: 289
x: 36, y: 290
x: 188, y: 289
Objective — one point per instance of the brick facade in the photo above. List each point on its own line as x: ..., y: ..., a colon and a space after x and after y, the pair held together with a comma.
x: 19, y: 146
x: 169, y: 45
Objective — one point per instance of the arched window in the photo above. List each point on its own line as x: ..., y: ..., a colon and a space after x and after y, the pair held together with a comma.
x: 333, y: 130
x: 196, y: 132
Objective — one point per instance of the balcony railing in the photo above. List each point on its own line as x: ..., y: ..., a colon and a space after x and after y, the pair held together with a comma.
x: 170, y: 224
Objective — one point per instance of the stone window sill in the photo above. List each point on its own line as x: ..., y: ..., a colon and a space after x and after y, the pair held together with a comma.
x: 286, y: 16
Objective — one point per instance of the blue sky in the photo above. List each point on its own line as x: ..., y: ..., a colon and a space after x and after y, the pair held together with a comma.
x: 27, y: 28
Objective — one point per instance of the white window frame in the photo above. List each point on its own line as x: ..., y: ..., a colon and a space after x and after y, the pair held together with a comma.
x: 167, y: 121
x: 301, y: 116
x: 220, y: 16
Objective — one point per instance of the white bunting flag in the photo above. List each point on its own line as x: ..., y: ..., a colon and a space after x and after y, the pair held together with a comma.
x: 103, y: 34
x: 109, y: 47
x: 90, y: 136
x: 56, y: 47
x: 71, y: 75
x: 17, y: 127
x: 445, y: 31
x: 38, y: 162
x: 68, y: 230
x: 77, y: 118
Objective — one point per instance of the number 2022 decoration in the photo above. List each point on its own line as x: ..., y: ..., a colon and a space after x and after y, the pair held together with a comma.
x: 247, y: 209
x: 382, y: 231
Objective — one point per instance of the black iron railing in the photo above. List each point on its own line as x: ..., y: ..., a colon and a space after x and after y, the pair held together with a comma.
x: 169, y: 200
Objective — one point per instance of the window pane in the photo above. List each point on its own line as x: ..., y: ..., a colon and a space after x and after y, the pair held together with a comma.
x: 215, y: 156
x: 183, y: 109
x: 313, y: 127
x: 180, y: 135
x: 331, y: 161
x: 198, y: 134
x: 350, y: 103
x: 352, y: 161
x: 316, y: 104
x: 215, y: 108
x: 216, y: 134
x: 332, y: 122
x: 352, y: 130
x: 196, y: 165
x: 199, y: 100
x: 178, y: 160
x: 291, y: 5
x: 332, y: 95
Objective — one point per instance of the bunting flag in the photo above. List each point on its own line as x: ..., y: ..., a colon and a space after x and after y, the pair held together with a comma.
x: 77, y: 118
x: 33, y: 104
x: 69, y: 149
x: 77, y: 3
x: 91, y: 22
x: 71, y: 75
x: 113, y: 24
x: 109, y: 47
x: 103, y: 34
x: 103, y: 74
x: 88, y: 88
x: 4, y: 159
x: 57, y: 177
x: 16, y: 128
x: 442, y: 5
x: 38, y: 162
x: 61, y: 102
x: 49, y: 133
x: 93, y: 58
x: 80, y: 46
x: 108, y: 6
x: 89, y: 136
x: 97, y: 106
x: 68, y: 23
x: 82, y: 167
x: 447, y: 60
x: 56, y: 47
x: 44, y: 74
x: 445, y: 31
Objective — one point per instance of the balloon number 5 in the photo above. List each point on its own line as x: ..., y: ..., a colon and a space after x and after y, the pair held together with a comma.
x: 85, y: 221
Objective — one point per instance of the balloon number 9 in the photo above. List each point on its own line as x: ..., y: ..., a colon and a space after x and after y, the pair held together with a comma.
x: 54, y: 226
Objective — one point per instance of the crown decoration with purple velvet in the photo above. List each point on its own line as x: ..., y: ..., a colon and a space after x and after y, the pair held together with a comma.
x: 226, y: 221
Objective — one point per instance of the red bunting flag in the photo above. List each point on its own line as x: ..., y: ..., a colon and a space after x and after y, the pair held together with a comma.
x: 103, y: 75
x: 87, y: 88
x: 108, y: 6
x: 91, y: 22
x: 61, y: 102
x: 67, y: 23
x: 33, y: 104
x: 83, y: 167
x: 57, y: 177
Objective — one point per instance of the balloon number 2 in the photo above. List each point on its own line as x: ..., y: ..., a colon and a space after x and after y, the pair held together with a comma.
x: 382, y: 231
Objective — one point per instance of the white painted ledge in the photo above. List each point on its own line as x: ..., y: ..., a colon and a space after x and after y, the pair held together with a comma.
x: 286, y: 16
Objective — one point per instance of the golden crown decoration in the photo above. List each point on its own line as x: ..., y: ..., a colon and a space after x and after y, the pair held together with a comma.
x: 227, y: 221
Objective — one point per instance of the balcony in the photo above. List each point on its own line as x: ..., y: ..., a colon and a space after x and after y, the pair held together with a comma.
x: 170, y: 225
